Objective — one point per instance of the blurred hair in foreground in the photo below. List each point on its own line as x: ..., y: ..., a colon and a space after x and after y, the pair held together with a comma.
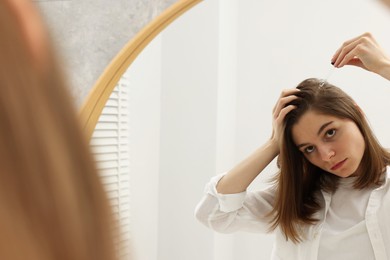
x: 52, y: 203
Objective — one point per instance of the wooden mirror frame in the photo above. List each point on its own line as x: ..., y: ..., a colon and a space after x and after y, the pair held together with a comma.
x: 101, y: 91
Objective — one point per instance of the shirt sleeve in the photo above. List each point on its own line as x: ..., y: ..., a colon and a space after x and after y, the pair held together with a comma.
x: 227, y: 213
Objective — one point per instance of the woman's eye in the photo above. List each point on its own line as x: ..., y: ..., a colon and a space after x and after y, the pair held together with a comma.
x: 330, y: 133
x: 309, y: 149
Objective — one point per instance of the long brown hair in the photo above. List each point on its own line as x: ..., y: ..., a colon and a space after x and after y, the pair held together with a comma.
x: 299, y: 182
x: 52, y: 203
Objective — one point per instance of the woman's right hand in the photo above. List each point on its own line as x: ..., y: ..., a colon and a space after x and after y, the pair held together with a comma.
x: 241, y: 176
x: 363, y: 51
x: 280, y: 111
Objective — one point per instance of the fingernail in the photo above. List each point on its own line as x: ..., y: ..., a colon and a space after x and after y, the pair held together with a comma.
x: 332, y: 62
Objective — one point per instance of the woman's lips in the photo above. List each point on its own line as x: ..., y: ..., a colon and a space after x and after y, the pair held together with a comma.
x: 338, y: 165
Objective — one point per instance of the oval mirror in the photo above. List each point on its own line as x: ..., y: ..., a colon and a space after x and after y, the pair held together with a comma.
x: 197, y: 98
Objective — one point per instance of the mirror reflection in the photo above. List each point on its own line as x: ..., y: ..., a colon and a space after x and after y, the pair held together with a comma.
x: 201, y: 98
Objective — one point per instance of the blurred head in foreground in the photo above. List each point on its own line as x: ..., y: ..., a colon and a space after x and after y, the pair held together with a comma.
x: 52, y: 203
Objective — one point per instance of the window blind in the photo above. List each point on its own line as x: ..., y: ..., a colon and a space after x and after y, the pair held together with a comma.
x: 109, y: 144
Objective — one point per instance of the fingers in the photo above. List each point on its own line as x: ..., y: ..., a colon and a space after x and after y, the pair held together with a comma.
x: 352, y: 57
x: 365, y: 52
x: 280, y: 109
x: 283, y: 112
x: 351, y: 51
x: 346, y: 43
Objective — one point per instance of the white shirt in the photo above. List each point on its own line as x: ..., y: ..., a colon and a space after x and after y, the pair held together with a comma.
x: 345, y: 221
x: 246, y: 211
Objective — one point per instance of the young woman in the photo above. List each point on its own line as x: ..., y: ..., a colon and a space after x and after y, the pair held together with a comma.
x: 52, y: 203
x: 331, y: 197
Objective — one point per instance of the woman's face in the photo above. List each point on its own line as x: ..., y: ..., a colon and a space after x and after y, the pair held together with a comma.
x: 332, y: 144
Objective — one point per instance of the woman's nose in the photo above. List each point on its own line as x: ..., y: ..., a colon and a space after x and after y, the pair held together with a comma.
x: 327, y: 153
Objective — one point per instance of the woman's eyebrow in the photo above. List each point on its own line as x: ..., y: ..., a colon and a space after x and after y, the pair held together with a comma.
x: 323, y: 127
x: 318, y: 133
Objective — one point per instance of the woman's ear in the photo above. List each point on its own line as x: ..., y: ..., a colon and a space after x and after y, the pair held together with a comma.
x: 32, y: 28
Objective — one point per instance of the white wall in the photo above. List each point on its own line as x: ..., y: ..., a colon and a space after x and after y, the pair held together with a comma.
x: 173, y: 108
x: 188, y: 130
x: 223, y: 64
x: 144, y: 155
